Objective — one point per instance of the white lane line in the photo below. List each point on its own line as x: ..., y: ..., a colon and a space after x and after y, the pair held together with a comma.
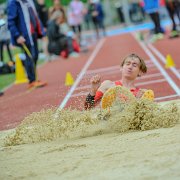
x: 143, y: 77
x: 150, y: 76
x: 150, y: 82
x: 137, y: 84
x: 166, y: 97
x: 83, y: 71
x: 7, y: 87
x: 163, y: 60
x: 155, y: 61
x: 103, y: 69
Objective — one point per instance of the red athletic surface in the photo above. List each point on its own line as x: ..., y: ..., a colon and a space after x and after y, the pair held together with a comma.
x: 18, y: 103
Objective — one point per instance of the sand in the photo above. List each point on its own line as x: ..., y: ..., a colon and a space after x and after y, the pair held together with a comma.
x: 101, y: 151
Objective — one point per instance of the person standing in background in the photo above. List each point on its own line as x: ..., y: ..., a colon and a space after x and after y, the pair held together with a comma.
x: 97, y: 15
x: 5, y: 39
x: 119, y: 9
x: 76, y: 12
x: 87, y: 20
x: 42, y: 11
x: 151, y: 7
x: 26, y: 27
x: 173, y: 7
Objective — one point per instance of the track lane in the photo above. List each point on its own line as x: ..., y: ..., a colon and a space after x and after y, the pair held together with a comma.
x: 16, y: 104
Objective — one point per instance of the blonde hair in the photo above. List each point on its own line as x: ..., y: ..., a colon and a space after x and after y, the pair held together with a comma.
x: 143, y: 67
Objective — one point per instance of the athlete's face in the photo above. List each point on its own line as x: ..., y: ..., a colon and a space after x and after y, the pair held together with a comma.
x: 130, y: 69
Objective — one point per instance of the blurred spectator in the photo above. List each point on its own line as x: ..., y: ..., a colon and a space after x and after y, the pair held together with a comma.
x: 162, y: 2
x: 135, y: 12
x: 97, y: 15
x: 2, y: 22
x: 141, y: 5
x: 26, y: 27
x: 87, y: 19
x: 7, y: 67
x: 43, y: 15
x: 1, y: 93
x: 5, y: 39
x: 59, y: 42
x: 42, y: 11
x: 151, y: 7
x: 57, y: 7
x: 74, y: 47
x: 173, y: 7
x: 76, y: 11
x: 119, y: 9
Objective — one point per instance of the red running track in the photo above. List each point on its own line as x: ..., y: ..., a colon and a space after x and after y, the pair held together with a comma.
x: 103, y: 59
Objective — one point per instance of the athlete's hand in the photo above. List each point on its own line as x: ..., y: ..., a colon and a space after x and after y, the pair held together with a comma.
x: 95, y: 84
x: 105, y: 85
x: 20, y: 40
x: 140, y: 93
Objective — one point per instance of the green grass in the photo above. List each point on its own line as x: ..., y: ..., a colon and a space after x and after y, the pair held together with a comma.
x: 13, y: 51
x: 8, y: 79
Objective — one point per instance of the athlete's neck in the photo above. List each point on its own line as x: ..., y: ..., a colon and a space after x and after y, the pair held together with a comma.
x: 128, y: 83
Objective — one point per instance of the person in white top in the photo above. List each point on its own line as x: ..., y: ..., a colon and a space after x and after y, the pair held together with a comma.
x: 76, y: 12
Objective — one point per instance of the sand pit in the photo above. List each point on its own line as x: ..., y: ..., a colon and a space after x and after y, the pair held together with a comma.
x: 141, y: 144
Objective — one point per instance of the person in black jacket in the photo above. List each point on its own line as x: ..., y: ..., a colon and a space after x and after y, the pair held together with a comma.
x: 58, y: 42
x: 42, y: 11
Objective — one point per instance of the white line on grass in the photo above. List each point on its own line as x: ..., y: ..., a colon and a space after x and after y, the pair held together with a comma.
x: 163, y: 59
x: 155, y: 61
x: 82, y: 73
x: 7, y: 87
